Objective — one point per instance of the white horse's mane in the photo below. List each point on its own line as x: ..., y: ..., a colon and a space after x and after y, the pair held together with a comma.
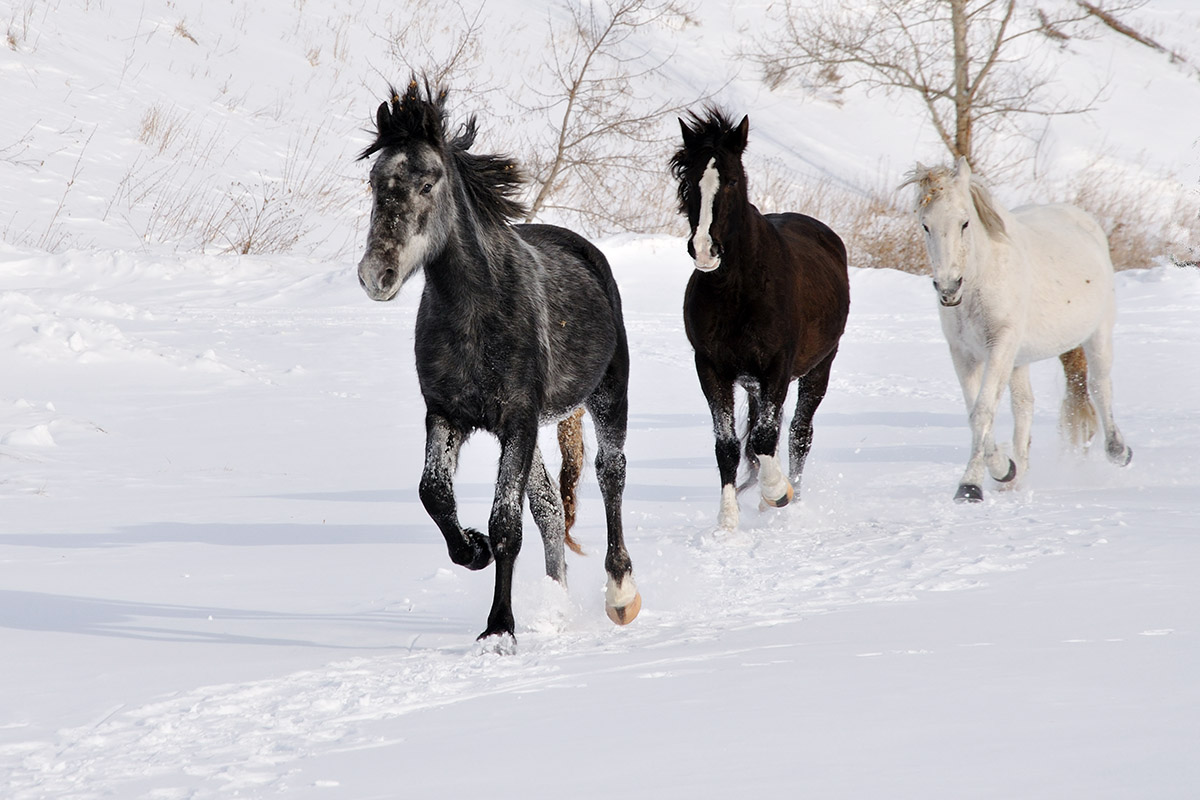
x: 933, y: 181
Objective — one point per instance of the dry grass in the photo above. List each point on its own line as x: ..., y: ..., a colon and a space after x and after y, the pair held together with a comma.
x: 161, y: 128
x: 1147, y: 220
x: 876, y: 223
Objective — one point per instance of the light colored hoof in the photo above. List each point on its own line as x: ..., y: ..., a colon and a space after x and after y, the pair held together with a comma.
x: 627, y: 613
x: 622, y: 601
x: 780, y: 502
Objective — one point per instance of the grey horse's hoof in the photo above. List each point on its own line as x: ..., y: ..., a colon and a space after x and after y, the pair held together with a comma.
x: 1121, y: 457
x: 1010, y: 476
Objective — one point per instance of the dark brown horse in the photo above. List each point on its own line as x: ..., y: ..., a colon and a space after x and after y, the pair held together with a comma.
x: 766, y: 306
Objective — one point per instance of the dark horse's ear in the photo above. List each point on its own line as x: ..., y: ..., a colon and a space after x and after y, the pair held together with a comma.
x: 383, y: 119
x: 738, y: 138
x: 689, y: 136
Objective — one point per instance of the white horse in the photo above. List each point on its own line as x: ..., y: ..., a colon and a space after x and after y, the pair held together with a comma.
x: 1016, y: 287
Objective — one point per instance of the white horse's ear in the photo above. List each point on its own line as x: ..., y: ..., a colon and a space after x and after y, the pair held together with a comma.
x: 962, y: 170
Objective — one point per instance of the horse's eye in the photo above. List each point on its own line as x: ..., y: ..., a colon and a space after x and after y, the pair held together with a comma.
x: 926, y: 227
x: 427, y: 188
x: 965, y: 224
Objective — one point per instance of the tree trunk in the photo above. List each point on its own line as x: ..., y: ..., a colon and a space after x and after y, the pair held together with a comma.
x: 962, y: 81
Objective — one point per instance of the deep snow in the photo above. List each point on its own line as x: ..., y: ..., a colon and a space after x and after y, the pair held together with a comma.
x: 217, y: 579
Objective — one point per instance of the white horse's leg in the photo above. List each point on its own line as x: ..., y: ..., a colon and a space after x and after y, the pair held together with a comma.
x: 997, y: 369
x: 1021, y: 390
x: 1100, y: 356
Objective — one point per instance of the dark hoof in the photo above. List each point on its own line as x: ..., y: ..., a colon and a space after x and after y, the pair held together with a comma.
x: 500, y: 625
x: 1121, y: 457
x: 475, y: 554
x: 1012, y: 473
x: 968, y: 493
x: 501, y: 643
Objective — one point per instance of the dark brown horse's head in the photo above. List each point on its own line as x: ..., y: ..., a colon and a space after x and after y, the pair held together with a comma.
x: 712, y: 182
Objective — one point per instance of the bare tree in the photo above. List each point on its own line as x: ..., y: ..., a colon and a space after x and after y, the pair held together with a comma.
x: 972, y: 63
x: 608, y: 145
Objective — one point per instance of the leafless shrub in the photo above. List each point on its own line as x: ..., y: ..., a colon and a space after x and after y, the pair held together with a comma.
x: 260, y: 219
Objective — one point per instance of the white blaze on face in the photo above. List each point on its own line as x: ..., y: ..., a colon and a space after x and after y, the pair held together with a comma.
x: 702, y: 243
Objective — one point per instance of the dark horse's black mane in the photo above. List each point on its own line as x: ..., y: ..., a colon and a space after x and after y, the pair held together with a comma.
x: 704, y: 136
x: 491, y: 181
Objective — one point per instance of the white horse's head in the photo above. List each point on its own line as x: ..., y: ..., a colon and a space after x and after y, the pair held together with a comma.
x: 948, y: 205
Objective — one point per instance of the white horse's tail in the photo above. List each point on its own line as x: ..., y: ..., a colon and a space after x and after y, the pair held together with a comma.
x: 1077, y: 421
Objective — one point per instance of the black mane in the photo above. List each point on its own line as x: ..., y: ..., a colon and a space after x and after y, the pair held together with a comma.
x: 491, y: 181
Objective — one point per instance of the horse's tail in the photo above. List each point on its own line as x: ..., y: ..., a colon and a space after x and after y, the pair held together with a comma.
x: 1077, y: 421
x: 570, y: 444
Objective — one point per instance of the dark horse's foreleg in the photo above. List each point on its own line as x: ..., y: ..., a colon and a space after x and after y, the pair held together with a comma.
x: 609, y: 407
x: 468, y: 547
x: 719, y: 394
x: 517, y: 448
x: 810, y: 391
x: 774, y: 487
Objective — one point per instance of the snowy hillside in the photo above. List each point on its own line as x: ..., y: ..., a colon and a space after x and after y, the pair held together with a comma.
x: 217, y: 579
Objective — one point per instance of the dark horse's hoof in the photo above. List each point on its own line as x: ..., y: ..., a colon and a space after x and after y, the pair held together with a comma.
x: 476, y: 553
x: 968, y: 493
x: 1008, y: 478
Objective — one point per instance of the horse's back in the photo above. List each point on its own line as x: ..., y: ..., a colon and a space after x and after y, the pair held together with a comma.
x: 1071, y: 286
x: 569, y: 251
x: 807, y: 232
x: 1067, y: 236
x: 585, y: 329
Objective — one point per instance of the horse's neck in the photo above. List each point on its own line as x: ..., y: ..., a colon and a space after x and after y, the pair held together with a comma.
x: 468, y: 274
x: 744, y: 252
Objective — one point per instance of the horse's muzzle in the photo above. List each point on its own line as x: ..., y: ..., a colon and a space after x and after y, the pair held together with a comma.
x: 379, y: 284
x: 706, y: 261
x: 949, y: 295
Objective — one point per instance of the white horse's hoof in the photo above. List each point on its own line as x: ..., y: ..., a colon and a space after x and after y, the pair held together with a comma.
x: 969, y: 493
x: 622, y: 601
x: 1011, y: 474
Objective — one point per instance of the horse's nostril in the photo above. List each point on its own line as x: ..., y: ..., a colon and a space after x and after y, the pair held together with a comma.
x: 388, y: 277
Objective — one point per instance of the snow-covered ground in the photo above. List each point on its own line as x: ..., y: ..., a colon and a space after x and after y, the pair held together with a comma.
x: 217, y: 576
x: 216, y: 579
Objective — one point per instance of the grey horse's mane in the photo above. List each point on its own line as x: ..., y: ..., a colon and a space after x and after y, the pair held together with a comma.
x: 932, y: 181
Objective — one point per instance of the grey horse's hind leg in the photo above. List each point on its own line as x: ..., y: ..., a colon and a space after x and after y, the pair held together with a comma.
x: 546, y: 506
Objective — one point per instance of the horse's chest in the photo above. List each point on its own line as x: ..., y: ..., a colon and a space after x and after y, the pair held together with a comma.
x: 477, y: 377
